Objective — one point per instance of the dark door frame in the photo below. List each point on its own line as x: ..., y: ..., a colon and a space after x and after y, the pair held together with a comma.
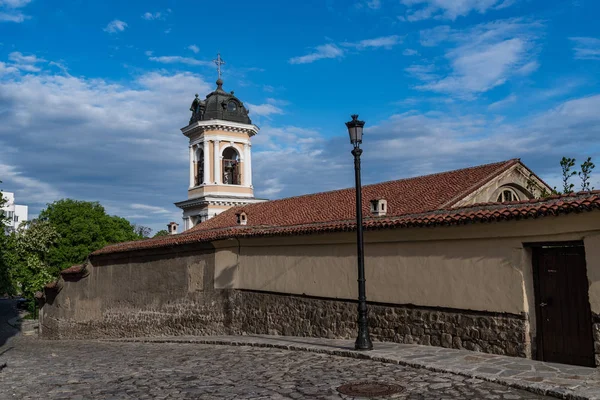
x: 538, y: 354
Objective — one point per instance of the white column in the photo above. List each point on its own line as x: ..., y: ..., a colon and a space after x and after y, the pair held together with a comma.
x: 248, y: 163
x: 247, y: 171
x: 206, y: 166
x: 191, y: 167
x: 217, y: 157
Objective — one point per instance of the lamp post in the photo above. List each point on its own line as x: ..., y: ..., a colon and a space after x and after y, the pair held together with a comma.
x: 363, y: 340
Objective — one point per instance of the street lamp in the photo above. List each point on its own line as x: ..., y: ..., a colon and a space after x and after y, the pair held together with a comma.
x: 363, y: 341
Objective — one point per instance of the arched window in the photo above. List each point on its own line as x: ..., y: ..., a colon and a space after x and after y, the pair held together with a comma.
x: 199, y: 176
x: 507, y: 195
x: 231, y: 167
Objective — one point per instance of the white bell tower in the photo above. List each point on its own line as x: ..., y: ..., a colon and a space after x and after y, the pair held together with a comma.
x: 220, y: 163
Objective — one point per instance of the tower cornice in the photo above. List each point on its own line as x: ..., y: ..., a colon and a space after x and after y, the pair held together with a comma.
x: 217, y: 124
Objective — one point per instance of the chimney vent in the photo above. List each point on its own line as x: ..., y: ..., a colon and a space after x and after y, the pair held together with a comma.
x: 242, y: 218
x: 172, y: 228
x: 379, y: 207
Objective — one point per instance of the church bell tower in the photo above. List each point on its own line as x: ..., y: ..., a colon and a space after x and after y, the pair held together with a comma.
x: 220, y: 155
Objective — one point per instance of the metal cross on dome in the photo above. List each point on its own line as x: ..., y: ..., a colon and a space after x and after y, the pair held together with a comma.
x: 219, y: 61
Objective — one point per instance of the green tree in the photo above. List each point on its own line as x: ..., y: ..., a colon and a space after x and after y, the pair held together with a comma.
x: 585, y: 174
x: 6, y: 284
x: 566, y: 164
x: 27, y: 255
x: 83, y: 227
x: 162, y: 232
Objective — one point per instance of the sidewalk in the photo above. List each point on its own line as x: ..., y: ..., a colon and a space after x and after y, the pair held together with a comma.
x: 558, y: 380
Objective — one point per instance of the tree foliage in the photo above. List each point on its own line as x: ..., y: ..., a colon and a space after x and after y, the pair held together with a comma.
x: 585, y: 174
x: 27, y: 256
x: 6, y: 285
x: 162, y: 232
x: 566, y: 164
x: 83, y: 227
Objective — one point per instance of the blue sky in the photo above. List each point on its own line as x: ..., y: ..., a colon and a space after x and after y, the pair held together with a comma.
x: 93, y: 94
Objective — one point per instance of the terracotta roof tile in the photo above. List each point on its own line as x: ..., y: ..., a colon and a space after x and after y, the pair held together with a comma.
x: 73, y: 270
x: 404, y: 196
x: 421, y: 201
x: 51, y: 285
x: 577, y: 202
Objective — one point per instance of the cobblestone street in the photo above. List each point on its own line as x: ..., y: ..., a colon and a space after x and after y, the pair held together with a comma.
x: 101, y: 370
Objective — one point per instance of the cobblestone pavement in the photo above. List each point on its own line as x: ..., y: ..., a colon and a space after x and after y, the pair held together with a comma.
x: 109, y: 370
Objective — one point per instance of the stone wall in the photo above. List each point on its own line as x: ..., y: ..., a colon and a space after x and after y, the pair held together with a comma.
x: 596, y: 334
x: 239, y: 312
x: 199, y: 314
x: 275, y: 314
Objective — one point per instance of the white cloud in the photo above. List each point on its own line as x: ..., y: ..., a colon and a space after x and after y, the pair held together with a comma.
x: 449, y: 9
x: 19, y: 57
x: 386, y: 42
x: 485, y: 56
x: 148, y: 16
x: 117, y: 143
x: 14, y: 3
x: 321, y: 52
x: 264, y: 110
x: 511, y: 99
x: 115, y: 26
x: 194, y: 48
x: 586, y: 48
x: 150, y: 209
x: 180, y: 60
x: 7, y: 69
x: 410, y: 52
x: 374, y: 4
x: 13, y: 17
x: 8, y: 12
x: 30, y: 189
x: 331, y: 50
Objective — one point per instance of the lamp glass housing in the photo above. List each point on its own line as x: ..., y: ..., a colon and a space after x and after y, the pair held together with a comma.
x: 355, y: 129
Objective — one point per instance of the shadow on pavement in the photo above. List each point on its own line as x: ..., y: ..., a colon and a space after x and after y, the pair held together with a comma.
x: 8, y: 311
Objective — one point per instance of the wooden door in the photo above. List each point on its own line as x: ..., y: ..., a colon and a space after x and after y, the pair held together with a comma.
x: 564, y: 328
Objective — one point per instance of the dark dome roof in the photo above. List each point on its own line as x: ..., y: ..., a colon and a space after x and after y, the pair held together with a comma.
x: 219, y: 105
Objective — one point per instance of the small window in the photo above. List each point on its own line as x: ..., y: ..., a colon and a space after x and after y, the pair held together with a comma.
x: 231, y: 106
x: 16, y: 218
x: 506, y: 196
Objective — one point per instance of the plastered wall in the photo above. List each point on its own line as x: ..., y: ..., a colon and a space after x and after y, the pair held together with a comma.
x: 484, y: 267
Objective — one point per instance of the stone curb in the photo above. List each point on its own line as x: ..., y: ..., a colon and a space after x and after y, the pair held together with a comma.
x: 542, y: 389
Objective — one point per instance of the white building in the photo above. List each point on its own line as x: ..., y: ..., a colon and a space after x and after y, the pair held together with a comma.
x: 15, y: 213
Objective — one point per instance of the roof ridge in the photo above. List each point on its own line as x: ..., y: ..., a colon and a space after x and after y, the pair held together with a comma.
x: 505, y: 166
x: 580, y: 194
x: 582, y: 201
x: 499, y: 163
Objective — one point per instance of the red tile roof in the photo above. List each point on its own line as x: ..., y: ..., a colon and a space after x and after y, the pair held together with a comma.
x: 404, y: 196
x: 73, y: 270
x: 488, y: 212
x: 51, y: 285
x: 421, y: 201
